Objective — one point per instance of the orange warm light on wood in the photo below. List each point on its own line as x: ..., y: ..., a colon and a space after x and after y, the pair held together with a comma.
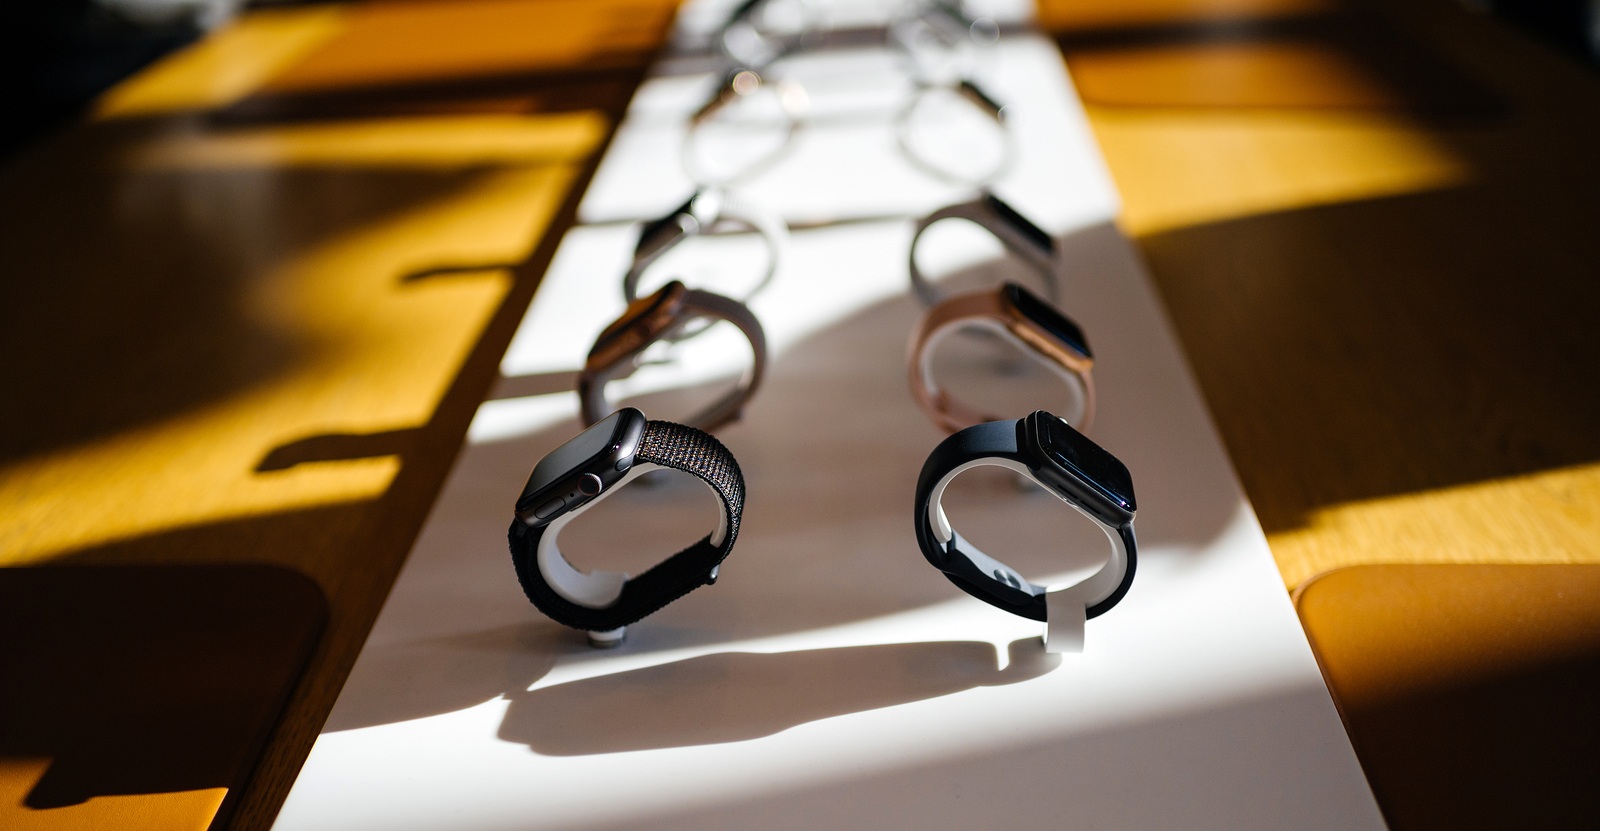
x: 1059, y: 15
x: 395, y: 43
x: 242, y: 335
x: 1468, y: 690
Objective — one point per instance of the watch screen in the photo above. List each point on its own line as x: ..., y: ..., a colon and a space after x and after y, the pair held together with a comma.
x: 1034, y: 233
x: 982, y: 99
x: 671, y: 222
x: 636, y: 311
x: 1046, y: 317
x: 560, y: 463
x: 1087, y: 461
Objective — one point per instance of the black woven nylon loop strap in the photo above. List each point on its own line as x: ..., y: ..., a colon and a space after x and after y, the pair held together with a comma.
x: 668, y: 445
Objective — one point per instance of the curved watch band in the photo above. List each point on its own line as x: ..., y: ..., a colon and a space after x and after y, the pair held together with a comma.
x: 743, y: 41
x: 943, y: 29
x: 696, y: 304
x: 1019, y: 235
x: 741, y: 83
x: 983, y: 309
x: 1063, y: 610
x: 697, y: 216
x: 606, y: 601
x: 905, y: 133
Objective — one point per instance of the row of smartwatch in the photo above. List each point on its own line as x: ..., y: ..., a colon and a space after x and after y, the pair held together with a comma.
x: 603, y: 458
x: 938, y: 38
x: 1042, y: 447
x: 1030, y: 323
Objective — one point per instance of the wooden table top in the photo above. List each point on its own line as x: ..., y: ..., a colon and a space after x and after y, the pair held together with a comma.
x: 1388, y: 302
x: 240, y: 331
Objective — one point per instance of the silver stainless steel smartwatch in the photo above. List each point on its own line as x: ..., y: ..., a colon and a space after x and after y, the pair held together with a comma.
x: 918, y: 133
x: 706, y: 210
x: 748, y: 109
x: 1027, y: 241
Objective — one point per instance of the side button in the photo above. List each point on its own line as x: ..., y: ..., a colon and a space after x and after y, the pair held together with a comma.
x: 549, y: 509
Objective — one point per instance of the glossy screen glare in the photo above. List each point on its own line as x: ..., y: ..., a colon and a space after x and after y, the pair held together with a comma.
x: 1088, y: 461
x: 1048, y: 318
x: 582, y: 448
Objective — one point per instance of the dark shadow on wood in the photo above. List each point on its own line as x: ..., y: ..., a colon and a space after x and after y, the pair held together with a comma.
x: 161, y: 313
x: 1381, y: 376
x: 332, y: 447
x: 1344, y: 60
x: 1469, y: 690
x: 148, y: 679
x: 543, y: 93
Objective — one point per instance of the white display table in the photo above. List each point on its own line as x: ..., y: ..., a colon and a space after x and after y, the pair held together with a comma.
x: 831, y: 678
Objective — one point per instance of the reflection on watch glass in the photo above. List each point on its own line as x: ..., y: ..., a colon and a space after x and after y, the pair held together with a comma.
x: 1088, y: 462
x: 1046, y: 317
x: 570, y: 456
x: 1009, y: 215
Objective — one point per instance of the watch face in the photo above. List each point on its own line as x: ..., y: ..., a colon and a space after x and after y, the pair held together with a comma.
x: 1046, y: 317
x: 1085, y: 461
x: 744, y: 10
x: 1032, y: 232
x: 583, y: 450
x: 972, y: 92
x: 657, y: 233
x: 626, y: 333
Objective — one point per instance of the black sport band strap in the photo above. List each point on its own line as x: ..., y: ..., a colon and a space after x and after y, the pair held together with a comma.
x: 1005, y: 589
x: 663, y: 444
x: 974, y: 572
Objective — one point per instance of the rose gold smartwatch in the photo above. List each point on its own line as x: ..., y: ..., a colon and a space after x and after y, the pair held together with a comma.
x: 617, y: 352
x: 1020, y: 317
x: 756, y: 34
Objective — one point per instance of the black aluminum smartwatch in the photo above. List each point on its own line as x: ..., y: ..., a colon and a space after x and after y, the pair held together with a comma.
x: 1045, y: 449
x: 588, y: 468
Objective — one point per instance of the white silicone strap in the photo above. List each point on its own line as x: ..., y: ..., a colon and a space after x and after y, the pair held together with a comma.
x: 1065, y: 606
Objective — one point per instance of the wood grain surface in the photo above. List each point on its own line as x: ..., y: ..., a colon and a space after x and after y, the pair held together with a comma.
x: 1390, y: 307
x: 260, y: 341
x: 243, y: 324
x: 1468, y: 689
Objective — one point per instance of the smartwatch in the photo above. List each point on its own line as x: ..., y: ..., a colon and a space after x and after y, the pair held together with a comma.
x: 913, y: 142
x: 578, y: 475
x: 703, y: 211
x: 1045, y: 449
x: 748, y: 37
x: 1020, y: 317
x: 619, y: 349
x: 1017, y: 233
x: 942, y: 37
x: 739, y: 89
